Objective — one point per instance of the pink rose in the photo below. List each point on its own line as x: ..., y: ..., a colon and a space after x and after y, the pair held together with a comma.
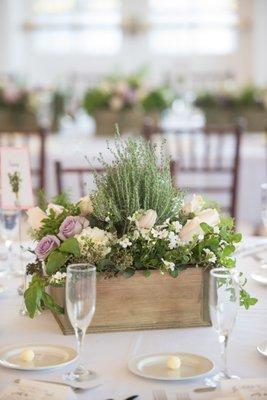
x: 71, y: 226
x: 46, y: 245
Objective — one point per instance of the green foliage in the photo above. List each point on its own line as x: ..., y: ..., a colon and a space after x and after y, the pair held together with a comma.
x: 135, y: 180
x: 95, y: 99
x: 70, y: 246
x: 57, y: 258
x: 247, y: 97
x: 36, y: 298
x: 158, y: 100
x: 20, y: 104
x: 246, y: 300
x: 41, y: 199
x: 55, y: 261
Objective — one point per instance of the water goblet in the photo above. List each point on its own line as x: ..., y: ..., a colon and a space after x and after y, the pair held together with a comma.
x: 224, y: 292
x: 80, y: 302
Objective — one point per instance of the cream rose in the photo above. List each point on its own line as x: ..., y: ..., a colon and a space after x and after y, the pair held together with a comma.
x: 147, y: 220
x: 98, y: 238
x: 55, y: 207
x: 96, y: 235
x: 194, y: 205
x: 210, y: 216
x: 35, y: 217
x: 116, y: 103
x: 85, y: 205
x: 190, y: 229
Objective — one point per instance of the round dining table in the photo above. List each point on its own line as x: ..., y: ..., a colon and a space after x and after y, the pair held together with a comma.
x: 109, y: 353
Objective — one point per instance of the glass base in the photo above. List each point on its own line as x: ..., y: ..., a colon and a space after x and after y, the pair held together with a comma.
x: 80, y: 374
x: 216, y: 379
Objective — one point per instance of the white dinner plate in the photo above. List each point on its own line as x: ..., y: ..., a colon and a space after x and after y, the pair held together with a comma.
x: 154, y: 367
x: 46, y: 357
x: 260, y: 275
x: 262, y: 348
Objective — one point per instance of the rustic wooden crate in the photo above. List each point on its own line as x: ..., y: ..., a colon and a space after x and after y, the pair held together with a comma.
x: 157, y: 302
x: 255, y: 120
x: 127, y: 120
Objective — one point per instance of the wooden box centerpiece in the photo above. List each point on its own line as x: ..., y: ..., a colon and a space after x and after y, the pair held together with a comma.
x: 151, y: 248
x: 156, y: 302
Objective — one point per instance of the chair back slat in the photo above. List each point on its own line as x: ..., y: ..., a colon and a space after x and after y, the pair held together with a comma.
x: 205, y: 158
x: 80, y: 172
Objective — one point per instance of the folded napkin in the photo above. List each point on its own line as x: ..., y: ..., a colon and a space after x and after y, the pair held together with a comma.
x: 31, y: 390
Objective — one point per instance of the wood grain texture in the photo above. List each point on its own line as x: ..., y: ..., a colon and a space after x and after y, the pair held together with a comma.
x: 137, y: 303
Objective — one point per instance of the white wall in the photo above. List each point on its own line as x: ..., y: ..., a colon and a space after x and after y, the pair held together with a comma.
x: 18, y: 55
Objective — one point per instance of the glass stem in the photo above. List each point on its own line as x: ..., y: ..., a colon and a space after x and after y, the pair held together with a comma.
x: 80, y: 336
x: 224, y: 342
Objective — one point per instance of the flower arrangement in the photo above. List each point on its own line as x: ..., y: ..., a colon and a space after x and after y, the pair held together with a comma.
x: 119, y: 94
x: 247, y: 97
x: 14, y: 98
x: 135, y: 220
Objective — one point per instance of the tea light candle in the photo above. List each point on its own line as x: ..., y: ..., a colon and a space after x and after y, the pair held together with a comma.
x: 173, y: 362
x: 27, y: 355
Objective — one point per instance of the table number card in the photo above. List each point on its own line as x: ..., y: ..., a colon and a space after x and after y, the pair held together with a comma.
x: 13, y: 159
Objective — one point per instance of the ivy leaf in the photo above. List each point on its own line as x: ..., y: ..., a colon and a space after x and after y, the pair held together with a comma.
x: 174, y: 273
x: 51, y: 304
x: 55, y: 261
x: 228, y: 250
x: 237, y: 237
x: 71, y: 246
x: 147, y: 273
x: 246, y: 300
x: 128, y: 272
x: 206, y: 228
x: 227, y: 222
x: 32, y: 297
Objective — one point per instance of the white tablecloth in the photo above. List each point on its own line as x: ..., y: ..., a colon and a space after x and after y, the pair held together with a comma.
x: 108, y: 353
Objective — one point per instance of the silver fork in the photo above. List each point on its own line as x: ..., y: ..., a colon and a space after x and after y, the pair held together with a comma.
x: 159, y: 395
x: 183, y: 396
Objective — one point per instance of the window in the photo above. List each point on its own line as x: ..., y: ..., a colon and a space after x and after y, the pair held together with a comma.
x: 76, y: 26
x: 186, y: 27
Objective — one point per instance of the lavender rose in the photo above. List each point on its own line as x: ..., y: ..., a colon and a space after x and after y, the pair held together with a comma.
x: 46, y: 245
x: 71, y: 226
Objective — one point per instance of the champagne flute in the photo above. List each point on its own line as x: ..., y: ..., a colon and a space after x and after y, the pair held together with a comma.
x: 264, y: 204
x: 9, y: 230
x: 80, y: 302
x: 223, y: 303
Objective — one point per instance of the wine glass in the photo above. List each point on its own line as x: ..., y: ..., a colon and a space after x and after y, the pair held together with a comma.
x: 223, y: 304
x: 80, y: 302
x: 9, y: 229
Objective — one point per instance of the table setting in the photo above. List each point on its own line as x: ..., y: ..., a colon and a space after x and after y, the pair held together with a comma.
x: 171, y: 296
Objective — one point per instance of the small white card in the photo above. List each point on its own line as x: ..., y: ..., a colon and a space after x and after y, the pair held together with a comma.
x: 15, y: 159
x: 31, y: 390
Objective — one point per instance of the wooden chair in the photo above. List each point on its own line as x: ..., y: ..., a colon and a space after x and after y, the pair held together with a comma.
x: 81, y: 172
x: 208, y: 164
x: 28, y: 138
